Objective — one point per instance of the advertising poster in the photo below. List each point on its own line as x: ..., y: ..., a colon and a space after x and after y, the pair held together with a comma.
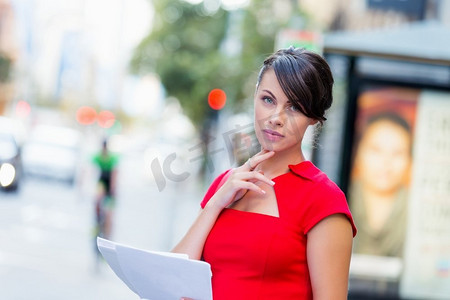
x: 380, y: 183
x: 426, y: 273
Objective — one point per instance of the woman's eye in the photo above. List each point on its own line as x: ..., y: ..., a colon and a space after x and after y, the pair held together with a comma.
x: 293, y: 108
x: 268, y: 100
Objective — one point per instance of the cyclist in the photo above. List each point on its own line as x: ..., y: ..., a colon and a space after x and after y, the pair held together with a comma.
x: 105, y: 200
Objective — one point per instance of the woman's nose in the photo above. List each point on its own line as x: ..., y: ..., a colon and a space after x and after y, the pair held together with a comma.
x: 277, y: 119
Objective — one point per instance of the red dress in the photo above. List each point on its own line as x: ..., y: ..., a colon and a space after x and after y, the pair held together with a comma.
x: 257, y: 256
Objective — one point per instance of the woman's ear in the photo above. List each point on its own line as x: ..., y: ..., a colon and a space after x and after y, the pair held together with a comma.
x: 313, y: 121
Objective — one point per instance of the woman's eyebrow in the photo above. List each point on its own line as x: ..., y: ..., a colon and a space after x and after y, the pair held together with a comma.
x: 271, y: 94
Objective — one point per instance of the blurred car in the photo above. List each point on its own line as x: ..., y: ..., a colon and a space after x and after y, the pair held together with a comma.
x: 52, y: 152
x: 10, y: 163
x: 10, y: 156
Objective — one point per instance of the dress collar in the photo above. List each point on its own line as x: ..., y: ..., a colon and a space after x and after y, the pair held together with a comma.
x: 305, y: 169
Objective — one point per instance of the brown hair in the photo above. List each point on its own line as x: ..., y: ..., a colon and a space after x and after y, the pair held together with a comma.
x: 305, y: 78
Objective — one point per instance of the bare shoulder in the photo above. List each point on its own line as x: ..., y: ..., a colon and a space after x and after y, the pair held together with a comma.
x: 329, y: 249
x: 336, y: 224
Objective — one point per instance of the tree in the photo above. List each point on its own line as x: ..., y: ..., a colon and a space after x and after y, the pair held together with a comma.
x: 5, y: 67
x: 187, y: 49
x: 183, y: 50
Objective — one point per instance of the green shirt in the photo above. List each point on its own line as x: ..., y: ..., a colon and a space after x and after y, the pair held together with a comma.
x: 106, y: 162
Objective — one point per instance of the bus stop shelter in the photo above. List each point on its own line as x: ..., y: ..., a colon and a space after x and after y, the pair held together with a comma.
x: 404, y: 72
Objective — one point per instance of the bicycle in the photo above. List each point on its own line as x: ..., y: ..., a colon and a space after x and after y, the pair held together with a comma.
x: 104, y: 204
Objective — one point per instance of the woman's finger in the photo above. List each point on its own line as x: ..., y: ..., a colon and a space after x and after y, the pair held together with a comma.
x: 246, y: 185
x: 238, y: 184
x: 255, y: 160
x: 253, y: 176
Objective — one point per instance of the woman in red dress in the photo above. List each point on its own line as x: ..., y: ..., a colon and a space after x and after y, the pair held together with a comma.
x: 277, y: 227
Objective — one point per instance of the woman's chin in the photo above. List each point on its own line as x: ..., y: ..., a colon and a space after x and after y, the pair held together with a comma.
x: 268, y: 147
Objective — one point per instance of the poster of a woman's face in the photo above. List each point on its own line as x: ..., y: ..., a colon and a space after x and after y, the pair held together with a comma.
x: 381, y: 168
x: 384, y: 154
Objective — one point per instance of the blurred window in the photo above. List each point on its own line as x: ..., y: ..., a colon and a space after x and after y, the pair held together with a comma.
x: 8, y: 148
x: 404, y: 71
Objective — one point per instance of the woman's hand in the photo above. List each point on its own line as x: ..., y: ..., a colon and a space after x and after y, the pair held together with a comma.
x: 241, y: 180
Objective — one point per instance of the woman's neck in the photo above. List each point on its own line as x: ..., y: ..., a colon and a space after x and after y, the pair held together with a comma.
x: 278, y: 163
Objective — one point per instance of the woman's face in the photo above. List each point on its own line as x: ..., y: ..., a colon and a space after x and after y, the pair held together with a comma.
x: 278, y: 125
x: 383, y: 157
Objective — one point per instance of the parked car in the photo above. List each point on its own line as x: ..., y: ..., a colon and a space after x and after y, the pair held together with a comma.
x: 10, y: 156
x: 52, y: 152
x: 10, y: 164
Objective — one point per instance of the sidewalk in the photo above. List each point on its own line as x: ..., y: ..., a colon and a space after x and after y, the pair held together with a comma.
x: 47, y: 242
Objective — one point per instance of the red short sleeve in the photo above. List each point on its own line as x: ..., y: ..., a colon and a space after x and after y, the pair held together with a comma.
x: 327, y: 200
x: 215, y: 185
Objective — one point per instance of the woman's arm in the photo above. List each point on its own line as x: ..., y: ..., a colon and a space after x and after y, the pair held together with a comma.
x: 192, y: 243
x: 329, y: 250
x: 238, y: 183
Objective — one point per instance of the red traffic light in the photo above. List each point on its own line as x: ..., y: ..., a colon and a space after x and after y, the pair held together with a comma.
x: 86, y: 115
x: 106, y: 119
x: 23, y: 109
x: 217, y: 99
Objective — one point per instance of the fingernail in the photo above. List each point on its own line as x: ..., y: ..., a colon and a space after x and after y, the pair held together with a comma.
x: 263, y: 191
x: 272, y: 182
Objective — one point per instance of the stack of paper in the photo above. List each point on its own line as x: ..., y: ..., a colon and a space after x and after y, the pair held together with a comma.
x: 158, y: 275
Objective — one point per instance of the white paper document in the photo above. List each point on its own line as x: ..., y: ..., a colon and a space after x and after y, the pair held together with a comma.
x: 158, y: 275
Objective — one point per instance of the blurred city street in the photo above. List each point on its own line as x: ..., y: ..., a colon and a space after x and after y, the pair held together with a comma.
x: 47, y: 244
x: 164, y: 93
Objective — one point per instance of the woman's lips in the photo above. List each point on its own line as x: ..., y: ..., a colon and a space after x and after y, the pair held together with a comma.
x: 272, y: 135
